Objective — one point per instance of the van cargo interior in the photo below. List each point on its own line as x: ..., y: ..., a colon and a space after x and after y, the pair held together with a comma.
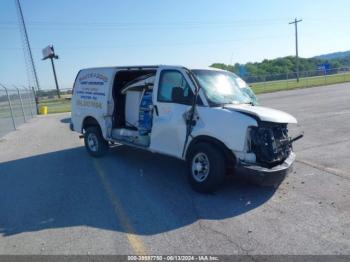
x: 129, y: 118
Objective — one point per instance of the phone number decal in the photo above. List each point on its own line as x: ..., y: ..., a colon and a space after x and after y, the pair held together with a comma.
x: 89, y: 103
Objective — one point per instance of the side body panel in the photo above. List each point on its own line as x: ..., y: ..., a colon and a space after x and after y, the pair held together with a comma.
x: 227, y: 126
x: 92, y: 96
x: 169, y: 127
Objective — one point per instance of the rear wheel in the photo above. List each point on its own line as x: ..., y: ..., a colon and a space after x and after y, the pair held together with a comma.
x: 206, y: 168
x: 95, y: 144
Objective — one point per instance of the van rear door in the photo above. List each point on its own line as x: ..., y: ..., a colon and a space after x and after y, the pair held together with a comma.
x: 92, y: 90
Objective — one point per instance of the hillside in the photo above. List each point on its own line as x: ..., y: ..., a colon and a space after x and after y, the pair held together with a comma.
x: 278, y: 68
x: 334, y: 55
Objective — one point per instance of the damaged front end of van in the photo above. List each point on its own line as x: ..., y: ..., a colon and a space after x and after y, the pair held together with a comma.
x: 268, y: 145
x: 273, y: 151
x: 257, y: 136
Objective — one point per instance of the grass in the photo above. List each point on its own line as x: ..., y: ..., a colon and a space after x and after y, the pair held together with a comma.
x: 273, y: 86
x: 5, y: 111
x: 56, y: 105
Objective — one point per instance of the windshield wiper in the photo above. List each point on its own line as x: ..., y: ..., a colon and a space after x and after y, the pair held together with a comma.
x: 219, y: 104
x: 225, y: 104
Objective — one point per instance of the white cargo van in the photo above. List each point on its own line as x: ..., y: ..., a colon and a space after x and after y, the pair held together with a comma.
x: 207, y: 117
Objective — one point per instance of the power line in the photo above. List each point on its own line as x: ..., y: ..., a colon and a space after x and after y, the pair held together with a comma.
x: 188, y: 22
x: 42, y: 25
x: 152, y: 44
x: 295, y: 22
x: 26, y: 44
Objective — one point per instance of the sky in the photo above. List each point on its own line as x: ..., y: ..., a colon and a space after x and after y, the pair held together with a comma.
x: 196, y: 33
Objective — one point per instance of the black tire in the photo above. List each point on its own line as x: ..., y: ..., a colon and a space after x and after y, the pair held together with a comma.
x: 214, y: 173
x: 100, y: 147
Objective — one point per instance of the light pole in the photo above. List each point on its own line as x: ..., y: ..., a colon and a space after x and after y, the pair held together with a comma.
x: 295, y: 22
x: 49, y: 52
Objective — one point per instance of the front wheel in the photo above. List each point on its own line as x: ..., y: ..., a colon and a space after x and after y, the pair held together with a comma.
x: 95, y: 144
x: 206, y: 168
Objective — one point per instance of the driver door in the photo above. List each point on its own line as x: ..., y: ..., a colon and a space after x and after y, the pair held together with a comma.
x: 169, y: 126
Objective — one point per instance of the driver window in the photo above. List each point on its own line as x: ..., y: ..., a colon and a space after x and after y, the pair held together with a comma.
x: 169, y: 80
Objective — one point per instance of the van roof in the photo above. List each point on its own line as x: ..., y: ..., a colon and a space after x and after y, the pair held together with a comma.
x: 124, y: 67
x: 153, y: 67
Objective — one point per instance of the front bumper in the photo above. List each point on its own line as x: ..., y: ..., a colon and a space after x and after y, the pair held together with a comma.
x: 265, y: 176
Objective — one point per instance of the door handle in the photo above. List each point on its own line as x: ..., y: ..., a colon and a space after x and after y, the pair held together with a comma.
x: 156, y: 109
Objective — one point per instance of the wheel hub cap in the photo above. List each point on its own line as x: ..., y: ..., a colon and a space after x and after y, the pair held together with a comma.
x: 200, y: 167
x: 92, y: 142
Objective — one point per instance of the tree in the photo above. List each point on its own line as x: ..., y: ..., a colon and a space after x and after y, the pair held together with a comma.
x: 276, y: 69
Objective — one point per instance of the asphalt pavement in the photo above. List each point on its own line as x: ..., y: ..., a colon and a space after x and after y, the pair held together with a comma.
x: 56, y: 199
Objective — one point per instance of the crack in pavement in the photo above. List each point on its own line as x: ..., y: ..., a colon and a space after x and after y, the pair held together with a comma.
x: 328, y: 170
x: 326, y: 144
x: 203, y: 227
x: 207, y: 228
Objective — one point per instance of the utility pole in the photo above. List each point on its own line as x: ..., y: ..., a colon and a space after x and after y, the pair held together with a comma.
x: 295, y: 22
x: 26, y: 43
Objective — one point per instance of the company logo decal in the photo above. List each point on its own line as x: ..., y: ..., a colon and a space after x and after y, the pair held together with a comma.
x: 93, y: 79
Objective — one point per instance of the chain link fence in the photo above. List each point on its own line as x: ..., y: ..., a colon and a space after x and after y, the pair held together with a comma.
x: 17, y: 106
x: 49, y: 98
x: 293, y: 75
x: 274, y: 82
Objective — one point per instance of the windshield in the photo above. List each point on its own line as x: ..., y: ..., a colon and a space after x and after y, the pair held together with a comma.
x: 223, y: 87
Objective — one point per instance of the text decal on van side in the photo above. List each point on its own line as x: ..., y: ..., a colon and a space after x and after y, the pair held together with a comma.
x: 89, y: 103
x: 93, y: 79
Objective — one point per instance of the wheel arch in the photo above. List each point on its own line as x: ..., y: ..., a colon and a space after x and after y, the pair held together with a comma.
x: 88, y: 122
x: 230, y: 158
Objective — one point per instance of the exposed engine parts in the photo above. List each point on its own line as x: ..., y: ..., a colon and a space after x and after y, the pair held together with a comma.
x: 270, y: 143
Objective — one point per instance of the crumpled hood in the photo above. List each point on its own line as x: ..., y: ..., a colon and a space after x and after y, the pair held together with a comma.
x: 264, y: 113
